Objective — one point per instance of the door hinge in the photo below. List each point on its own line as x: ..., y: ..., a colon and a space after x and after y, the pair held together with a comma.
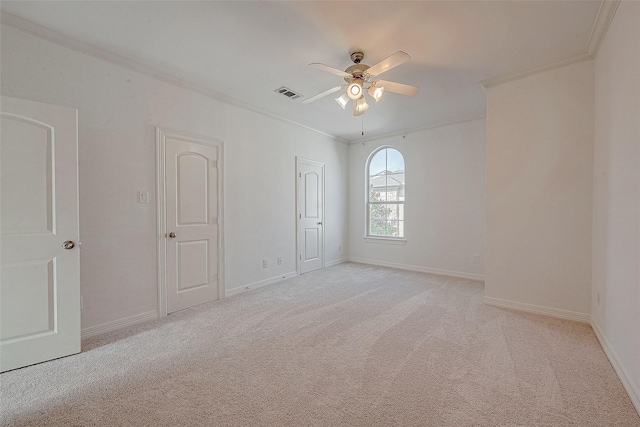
x: 300, y: 257
x: 299, y: 174
x: 300, y: 216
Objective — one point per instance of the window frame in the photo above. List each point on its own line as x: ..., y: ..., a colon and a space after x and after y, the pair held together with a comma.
x: 377, y: 238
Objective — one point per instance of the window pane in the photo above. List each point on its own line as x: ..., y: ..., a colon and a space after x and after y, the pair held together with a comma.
x: 383, y: 187
x: 395, y: 185
x: 378, y: 187
x: 392, y: 212
x: 393, y: 228
x: 395, y: 161
x: 381, y: 228
x: 378, y: 162
x: 374, y: 196
x: 384, y: 228
x: 377, y: 212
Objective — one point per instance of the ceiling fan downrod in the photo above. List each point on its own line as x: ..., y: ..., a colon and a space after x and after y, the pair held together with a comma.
x: 357, y: 57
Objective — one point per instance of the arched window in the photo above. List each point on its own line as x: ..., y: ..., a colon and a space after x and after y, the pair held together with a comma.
x: 385, y: 194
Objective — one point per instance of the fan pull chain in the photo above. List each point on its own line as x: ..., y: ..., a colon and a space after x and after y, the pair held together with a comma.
x: 362, y: 124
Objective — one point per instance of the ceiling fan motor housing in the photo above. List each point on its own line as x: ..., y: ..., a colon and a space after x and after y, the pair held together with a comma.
x: 356, y: 72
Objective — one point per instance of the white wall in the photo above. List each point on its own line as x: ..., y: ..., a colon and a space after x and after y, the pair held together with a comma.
x: 118, y: 110
x: 444, y: 208
x: 539, y: 189
x: 616, y: 204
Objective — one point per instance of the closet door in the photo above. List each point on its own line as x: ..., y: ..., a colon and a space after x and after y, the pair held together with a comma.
x: 40, y: 257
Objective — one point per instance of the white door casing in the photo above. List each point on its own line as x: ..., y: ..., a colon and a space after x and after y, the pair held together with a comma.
x: 310, y: 214
x: 190, y: 221
x: 39, y: 278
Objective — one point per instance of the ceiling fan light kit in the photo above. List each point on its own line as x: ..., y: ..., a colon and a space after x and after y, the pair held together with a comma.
x: 360, y: 78
x: 354, y: 90
x: 360, y: 106
x: 375, y: 92
x: 343, y: 100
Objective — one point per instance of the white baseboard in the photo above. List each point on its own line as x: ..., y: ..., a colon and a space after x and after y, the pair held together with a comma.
x: 119, y: 324
x: 259, y: 284
x: 633, y: 390
x: 420, y: 269
x: 538, y: 309
x: 336, y: 262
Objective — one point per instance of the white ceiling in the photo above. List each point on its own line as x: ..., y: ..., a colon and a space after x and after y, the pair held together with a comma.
x: 246, y: 50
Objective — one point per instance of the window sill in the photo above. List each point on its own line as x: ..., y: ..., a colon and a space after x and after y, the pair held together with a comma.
x: 386, y: 240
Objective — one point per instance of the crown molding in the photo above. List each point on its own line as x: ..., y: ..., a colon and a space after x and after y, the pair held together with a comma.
x: 601, y: 26
x: 421, y: 129
x: 535, y: 70
x: 598, y: 32
x: 72, y: 43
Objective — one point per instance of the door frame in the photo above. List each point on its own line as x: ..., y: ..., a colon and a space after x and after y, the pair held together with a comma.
x: 161, y: 221
x: 300, y: 160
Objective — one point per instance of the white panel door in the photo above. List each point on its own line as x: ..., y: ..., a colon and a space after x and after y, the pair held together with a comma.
x: 191, y: 173
x: 310, y: 215
x: 39, y: 254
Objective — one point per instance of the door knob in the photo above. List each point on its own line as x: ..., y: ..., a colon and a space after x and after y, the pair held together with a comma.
x: 68, y: 244
x: 319, y: 222
x: 172, y: 235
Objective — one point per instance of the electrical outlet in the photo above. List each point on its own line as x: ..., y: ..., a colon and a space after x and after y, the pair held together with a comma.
x: 265, y: 263
x: 476, y: 259
x: 279, y: 260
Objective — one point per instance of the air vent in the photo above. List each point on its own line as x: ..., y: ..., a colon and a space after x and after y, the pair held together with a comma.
x: 287, y: 92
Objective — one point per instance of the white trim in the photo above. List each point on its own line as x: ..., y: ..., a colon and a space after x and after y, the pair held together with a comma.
x: 336, y: 262
x: 536, y: 70
x: 633, y: 390
x: 420, y: 129
x: 598, y: 32
x: 161, y: 246
x: 69, y: 42
x: 538, y: 309
x: 449, y: 273
x: 114, y: 325
x: 601, y: 25
x: 385, y: 240
x: 161, y: 135
x: 260, y: 284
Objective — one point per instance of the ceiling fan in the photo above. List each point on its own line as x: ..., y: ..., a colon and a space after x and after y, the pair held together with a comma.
x: 360, y: 78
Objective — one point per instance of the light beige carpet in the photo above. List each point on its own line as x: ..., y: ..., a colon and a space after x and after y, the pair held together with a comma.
x: 352, y: 345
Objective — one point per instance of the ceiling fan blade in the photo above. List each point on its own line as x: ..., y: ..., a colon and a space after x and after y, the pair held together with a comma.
x: 394, y: 60
x: 330, y: 69
x: 394, y: 87
x: 325, y: 93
